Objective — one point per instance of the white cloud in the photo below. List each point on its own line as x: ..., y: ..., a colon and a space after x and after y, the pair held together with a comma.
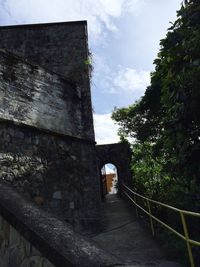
x: 120, y: 79
x: 112, y: 7
x: 134, y: 6
x: 101, y: 14
x: 110, y: 168
x: 100, y: 66
x: 129, y: 79
x: 105, y: 129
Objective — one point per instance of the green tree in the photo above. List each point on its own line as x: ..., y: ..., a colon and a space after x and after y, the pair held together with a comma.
x: 167, y: 117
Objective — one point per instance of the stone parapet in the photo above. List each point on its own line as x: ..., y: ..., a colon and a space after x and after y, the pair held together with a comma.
x: 31, y: 237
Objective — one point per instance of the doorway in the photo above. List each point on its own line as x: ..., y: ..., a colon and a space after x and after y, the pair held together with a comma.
x: 109, y: 179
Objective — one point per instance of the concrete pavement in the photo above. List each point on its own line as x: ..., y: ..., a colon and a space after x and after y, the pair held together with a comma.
x: 123, y: 237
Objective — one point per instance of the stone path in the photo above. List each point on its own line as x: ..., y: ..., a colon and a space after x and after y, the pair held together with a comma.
x: 126, y: 239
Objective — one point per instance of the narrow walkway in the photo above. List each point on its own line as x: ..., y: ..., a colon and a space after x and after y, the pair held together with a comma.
x: 125, y: 238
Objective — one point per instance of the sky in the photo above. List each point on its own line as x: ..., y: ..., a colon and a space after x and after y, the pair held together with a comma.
x: 124, y: 38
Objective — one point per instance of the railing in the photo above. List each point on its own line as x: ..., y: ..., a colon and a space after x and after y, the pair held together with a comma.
x: 189, y: 242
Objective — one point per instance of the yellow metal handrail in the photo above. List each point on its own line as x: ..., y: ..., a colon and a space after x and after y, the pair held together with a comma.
x: 182, y: 214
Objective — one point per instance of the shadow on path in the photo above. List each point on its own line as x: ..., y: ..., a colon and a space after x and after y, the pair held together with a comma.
x: 126, y: 239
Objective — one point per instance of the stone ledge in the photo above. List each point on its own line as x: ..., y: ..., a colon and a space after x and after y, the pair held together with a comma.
x: 46, y: 131
x: 54, y: 238
x: 83, y: 22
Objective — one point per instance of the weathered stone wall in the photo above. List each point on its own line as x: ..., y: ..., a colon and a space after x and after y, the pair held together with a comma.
x: 58, y: 47
x: 16, y: 251
x: 47, y: 148
x: 35, y: 97
x: 30, y: 237
x: 57, y: 172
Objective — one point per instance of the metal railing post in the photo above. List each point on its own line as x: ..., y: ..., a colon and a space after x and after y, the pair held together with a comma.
x: 182, y: 213
x: 151, y: 221
x: 187, y: 239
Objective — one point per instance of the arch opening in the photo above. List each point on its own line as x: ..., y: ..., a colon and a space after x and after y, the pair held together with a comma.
x: 109, y: 179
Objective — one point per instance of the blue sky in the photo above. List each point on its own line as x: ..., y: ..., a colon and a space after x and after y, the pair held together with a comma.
x: 124, y: 40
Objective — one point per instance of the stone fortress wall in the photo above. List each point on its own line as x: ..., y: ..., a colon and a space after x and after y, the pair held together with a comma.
x: 47, y: 147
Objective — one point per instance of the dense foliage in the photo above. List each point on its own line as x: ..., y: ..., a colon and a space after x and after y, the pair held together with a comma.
x: 165, y: 122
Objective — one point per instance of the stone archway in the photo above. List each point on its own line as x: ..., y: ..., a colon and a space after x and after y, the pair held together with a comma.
x: 118, y: 154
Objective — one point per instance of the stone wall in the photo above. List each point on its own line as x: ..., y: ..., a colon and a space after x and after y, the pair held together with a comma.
x: 57, y: 172
x: 30, y: 237
x: 58, y: 47
x: 32, y: 96
x: 47, y: 148
x: 16, y: 251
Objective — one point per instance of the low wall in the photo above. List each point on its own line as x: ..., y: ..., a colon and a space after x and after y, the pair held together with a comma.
x: 31, y: 237
x: 16, y: 251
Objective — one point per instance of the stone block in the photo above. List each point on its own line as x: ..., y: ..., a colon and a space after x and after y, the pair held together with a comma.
x: 57, y: 195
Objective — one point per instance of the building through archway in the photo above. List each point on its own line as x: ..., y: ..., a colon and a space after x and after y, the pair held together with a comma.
x: 119, y: 155
x: 109, y: 179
